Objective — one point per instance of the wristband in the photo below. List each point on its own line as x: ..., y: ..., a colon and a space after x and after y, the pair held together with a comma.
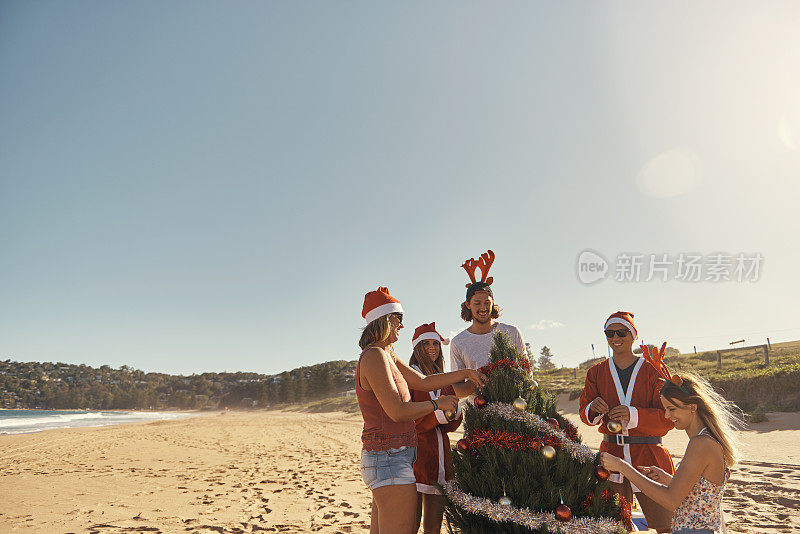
x: 435, y: 406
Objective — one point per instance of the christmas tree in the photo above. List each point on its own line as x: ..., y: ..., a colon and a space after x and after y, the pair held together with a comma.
x: 521, y: 467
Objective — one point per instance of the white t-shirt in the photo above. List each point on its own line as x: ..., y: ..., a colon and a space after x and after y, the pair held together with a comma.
x: 471, y: 351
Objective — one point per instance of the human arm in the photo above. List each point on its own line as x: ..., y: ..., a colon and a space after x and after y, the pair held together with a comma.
x: 463, y: 388
x: 670, y: 495
x: 376, y: 371
x: 591, y: 406
x: 417, y: 380
x: 430, y: 421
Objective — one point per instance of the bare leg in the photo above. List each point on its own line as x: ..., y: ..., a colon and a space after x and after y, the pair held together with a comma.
x: 373, y: 524
x: 433, y: 506
x: 419, y: 512
x: 396, y: 508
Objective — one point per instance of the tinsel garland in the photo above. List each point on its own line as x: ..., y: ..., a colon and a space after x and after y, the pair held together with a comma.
x: 624, y: 506
x: 570, y: 430
x: 526, y: 518
x: 578, y: 451
x: 508, y: 440
x: 505, y: 363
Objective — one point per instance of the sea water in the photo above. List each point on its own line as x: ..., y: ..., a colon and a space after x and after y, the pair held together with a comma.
x: 26, y: 421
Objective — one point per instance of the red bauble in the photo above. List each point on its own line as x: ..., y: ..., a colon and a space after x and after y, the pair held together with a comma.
x: 462, y: 446
x: 602, y: 473
x: 554, y: 423
x: 481, y: 401
x: 563, y: 513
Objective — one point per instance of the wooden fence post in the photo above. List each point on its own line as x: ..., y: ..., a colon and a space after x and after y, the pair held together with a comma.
x: 766, y: 354
x: 719, y: 360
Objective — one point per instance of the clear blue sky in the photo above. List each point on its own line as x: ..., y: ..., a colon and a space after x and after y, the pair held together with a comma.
x: 207, y: 186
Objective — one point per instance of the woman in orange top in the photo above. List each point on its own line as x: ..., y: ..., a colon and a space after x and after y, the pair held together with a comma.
x: 389, y: 437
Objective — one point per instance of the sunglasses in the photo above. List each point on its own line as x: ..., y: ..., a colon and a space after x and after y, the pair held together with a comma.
x: 619, y: 333
x: 399, y: 317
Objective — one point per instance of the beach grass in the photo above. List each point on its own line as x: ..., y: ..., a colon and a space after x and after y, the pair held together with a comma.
x: 741, y: 376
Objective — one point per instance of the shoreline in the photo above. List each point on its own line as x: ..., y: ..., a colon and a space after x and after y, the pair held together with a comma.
x: 49, y: 420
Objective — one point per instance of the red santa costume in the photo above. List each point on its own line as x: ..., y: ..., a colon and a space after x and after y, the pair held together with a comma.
x: 639, y: 443
x: 433, y: 464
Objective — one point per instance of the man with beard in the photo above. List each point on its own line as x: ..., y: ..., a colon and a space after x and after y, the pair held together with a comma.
x: 470, y: 348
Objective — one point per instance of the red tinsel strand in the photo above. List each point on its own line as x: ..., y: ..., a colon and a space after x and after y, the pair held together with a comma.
x: 588, y: 500
x: 570, y: 430
x: 607, y: 495
x: 508, y: 440
x: 506, y: 363
x: 625, y: 512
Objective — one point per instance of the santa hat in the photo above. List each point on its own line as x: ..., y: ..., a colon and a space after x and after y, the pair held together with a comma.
x: 484, y: 264
x: 624, y: 318
x: 428, y: 331
x: 379, y: 303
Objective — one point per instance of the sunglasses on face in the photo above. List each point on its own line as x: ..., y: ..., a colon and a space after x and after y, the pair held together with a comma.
x: 619, y: 333
x: 399, y: 317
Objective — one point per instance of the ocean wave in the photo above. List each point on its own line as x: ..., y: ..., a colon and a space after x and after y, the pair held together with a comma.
x: 53, y: 420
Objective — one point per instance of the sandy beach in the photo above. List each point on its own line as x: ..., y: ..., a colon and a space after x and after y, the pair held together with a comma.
x: 283, y: 472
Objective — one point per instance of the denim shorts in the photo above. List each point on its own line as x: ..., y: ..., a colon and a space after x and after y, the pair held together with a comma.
x: 693, y: 531
x: 388, y: 468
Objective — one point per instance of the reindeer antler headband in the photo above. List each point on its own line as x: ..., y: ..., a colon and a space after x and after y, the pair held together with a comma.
x: 484, y: 264
x: 656, y: 359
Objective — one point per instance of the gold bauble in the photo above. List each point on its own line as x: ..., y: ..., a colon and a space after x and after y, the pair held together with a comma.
x: 450, y: 415
x: 534, y: 384
x: 504, y: 501
x: 615, y: 427
x: 548, y: 452
x: 520, y: 404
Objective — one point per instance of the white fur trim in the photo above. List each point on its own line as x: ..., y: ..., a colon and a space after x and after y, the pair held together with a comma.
x: 383, y: 309
x: 617, y: 320
x: 596, y: 420
x: 441, y: 479
x: 634, y: 422
x: 427, y: 335
x: 625, y: 400
x: 429, y: 490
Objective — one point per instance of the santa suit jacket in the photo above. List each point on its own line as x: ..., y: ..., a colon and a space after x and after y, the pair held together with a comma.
x: 434, y: 464
x: 647, y: 413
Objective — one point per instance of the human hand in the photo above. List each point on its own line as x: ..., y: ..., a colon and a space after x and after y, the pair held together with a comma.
x: 620, y: 413
x: 476, y: 377
x: 655, y: 473
x: 611, y: 462
x: 447, y: 403
x: 599, y: 406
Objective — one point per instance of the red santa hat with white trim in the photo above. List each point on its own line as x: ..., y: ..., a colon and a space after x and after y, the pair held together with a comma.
x: 379, y: 303
x: 625, y: 319
x: 428, y: 331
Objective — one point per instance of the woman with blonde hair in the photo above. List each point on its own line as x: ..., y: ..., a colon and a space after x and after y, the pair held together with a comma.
x: 434, y: 465
x: 694, y: 492
x: 389, y: 438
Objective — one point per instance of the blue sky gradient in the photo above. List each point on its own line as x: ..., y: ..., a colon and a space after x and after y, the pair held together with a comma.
x: 206, y: 186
